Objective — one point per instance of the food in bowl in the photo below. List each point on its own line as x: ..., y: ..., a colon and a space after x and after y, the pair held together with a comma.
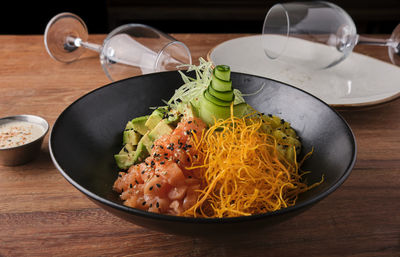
x: 15, y: 133
x: 207, y: 153
x: 21, y: 137
x: 87, y: 134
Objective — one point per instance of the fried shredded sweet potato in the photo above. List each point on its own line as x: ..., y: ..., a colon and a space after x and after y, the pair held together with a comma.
x: 242, y: 171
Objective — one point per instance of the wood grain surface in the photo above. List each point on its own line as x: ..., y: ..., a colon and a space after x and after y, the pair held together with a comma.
x: 41, y: 214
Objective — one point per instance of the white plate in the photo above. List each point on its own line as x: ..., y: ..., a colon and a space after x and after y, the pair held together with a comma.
x: 357, y: 81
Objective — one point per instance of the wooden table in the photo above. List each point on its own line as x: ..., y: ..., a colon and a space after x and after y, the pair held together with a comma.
x: 41, y: 214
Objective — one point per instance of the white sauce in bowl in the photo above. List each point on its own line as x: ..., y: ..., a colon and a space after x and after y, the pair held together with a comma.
x: 16, y: 133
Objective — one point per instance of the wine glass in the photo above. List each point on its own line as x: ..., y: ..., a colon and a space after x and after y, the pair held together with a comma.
x: 128, y: 50
x: 316, y: 35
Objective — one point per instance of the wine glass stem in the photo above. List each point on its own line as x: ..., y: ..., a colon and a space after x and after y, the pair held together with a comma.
x: 376, y: 41
x: 77, y: 42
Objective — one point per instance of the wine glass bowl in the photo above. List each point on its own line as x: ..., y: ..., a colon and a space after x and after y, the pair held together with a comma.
x: 136, y: 48
x: 127, y: 51
x: 316, y: 35
x: 288, y: 25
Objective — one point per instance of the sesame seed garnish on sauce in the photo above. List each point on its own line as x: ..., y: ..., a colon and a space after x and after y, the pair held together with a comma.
x: 16, y: 133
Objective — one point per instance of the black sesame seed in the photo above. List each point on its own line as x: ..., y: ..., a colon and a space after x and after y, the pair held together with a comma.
x: 189, y: 176
x: 130, y: 185
x: 282, y: 121
x: 270, y: 115
x: 142, y: 172
x: 126, y: 150
x: 189, y: 121
x: 162, y: 162
x: 136, y: 181
x: 144, y: 203
x: 151, y: 188
x: 162, y: 147
x: 158, y: 185
x: 119, y: 175
x: 151, y: 205
x: 171, y: 146
x: 157, y: 205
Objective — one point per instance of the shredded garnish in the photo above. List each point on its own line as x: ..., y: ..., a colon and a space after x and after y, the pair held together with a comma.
x: 242, y: 171
x: 193, y: 88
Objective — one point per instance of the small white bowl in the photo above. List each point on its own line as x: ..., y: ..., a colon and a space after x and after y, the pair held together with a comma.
x: 21, y: 154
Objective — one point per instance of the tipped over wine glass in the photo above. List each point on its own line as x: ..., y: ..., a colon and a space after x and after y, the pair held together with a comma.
x: 127, y: 51
x: 328, y: 27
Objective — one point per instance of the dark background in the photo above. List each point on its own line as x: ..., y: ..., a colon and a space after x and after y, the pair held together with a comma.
x: 181, y: 16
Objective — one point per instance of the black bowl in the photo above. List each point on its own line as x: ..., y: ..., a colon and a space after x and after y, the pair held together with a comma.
x: 88, y: 133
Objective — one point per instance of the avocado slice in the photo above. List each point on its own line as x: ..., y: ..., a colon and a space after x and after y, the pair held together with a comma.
x: 155, y: 117
x: 124, y: 160
x: 129, y: 125
x: 138, y: 124
x: 161, y: 129
x: 141, y: 152
x: 129, y: 156
x: 147, y: 142
x: 172, y: 117
x: 130, y: 136
x: 128, y: 148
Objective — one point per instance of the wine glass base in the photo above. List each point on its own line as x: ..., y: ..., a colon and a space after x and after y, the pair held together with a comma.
x: 58, y: 33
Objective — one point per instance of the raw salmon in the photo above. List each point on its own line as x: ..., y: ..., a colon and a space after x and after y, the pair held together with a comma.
x: 161, y: 183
